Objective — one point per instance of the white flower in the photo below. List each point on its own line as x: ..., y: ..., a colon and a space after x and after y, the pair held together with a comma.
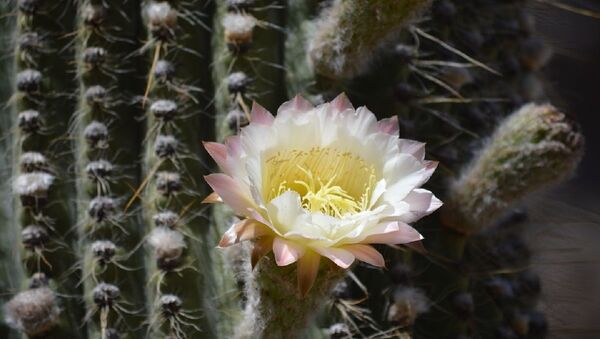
x: 321, y: 181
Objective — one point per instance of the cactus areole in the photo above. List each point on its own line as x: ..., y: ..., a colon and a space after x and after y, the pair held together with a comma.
x: 322, y: 181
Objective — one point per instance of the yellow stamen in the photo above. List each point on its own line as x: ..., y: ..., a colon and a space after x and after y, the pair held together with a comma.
x: 329, y: 181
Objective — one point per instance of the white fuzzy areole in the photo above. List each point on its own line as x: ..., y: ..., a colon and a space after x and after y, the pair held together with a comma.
x: 166, y: 242
x: 32, y: 183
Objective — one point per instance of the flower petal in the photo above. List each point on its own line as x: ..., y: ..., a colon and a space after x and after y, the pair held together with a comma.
x: 366, y: 253
x: 415, y: 148
x: 252, y: 230
x: 286, y: 252
x: 421, y: 203
x: 212, y: 198
x: 297, y: 105
x: 219, y: 153
x: 286, y: 212
x: 339, y: 256
x: 260, y: 115
x: 232, y: 192
x: 341, y: 103
x: 243, y: 230
x: 404, y: 234
x: 389, y: 125
x: 308, y: 267
x: 262, y: 247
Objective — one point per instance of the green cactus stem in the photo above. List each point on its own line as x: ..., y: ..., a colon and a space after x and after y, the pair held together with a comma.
x: 179, y: 259
x: 108, y: 82
x: 44, y: 104
x: 9, y: 261
x: 248, y: 54
x: 275, y: 308
x: 348, y: 33
x: 534, y: 147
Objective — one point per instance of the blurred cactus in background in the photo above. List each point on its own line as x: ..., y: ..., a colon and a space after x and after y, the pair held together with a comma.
x: 106, y: 103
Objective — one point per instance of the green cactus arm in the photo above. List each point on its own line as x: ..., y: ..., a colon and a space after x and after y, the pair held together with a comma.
x: 348, y: 33
x: 534, y: 147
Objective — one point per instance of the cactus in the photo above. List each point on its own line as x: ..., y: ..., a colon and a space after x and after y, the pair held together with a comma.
x: 44, y: 104
x: 106, y: 172
x: 106, y: 107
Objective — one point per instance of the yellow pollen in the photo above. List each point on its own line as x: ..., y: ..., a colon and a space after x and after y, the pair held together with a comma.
x: 328, y: 181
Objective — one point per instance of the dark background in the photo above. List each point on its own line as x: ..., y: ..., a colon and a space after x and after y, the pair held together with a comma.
x: 564, y: 234
x: 574, y: 77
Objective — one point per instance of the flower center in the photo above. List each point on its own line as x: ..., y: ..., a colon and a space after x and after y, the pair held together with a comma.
x: 330, y: 181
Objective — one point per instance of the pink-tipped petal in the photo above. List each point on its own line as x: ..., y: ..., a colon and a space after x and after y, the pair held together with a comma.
x: 219, y: 153
x: 308, y: 267
x: 231, y: 236
x: 415, y: 148
x: 212, y: 198
x: 301, y: 104
x: 297, y: 105
x: 366, y: 253
x: 260, y: 115
x: 234, y: 145
x: 340, y: 257
x: 341, y: 103
x: 431, y: 166
x: 405, y: 234
x: 422, y: 201
x: 389, y: 126
x: 262, y: 247
x: 286, y: 252
x: 232, y: 192
x: 253, y: 230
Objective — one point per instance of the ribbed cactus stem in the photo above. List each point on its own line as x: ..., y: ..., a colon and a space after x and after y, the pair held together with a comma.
x: 248, y: 54
x: 106, y: 170
x: 535, y: 147
x: 42, y: 155
x: 275, y: 308
x: 179, y: 240
x: 348, y: 33
x: 9, y: 260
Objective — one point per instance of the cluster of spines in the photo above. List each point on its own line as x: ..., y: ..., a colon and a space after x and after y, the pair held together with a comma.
x: 42, y: 161
x: 108, y: 233
x: 179, y: 267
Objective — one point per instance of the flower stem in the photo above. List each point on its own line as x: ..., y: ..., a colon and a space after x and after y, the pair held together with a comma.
x: 275, y: 308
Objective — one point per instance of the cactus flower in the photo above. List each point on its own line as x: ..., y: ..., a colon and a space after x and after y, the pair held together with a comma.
x: 321, y: 181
